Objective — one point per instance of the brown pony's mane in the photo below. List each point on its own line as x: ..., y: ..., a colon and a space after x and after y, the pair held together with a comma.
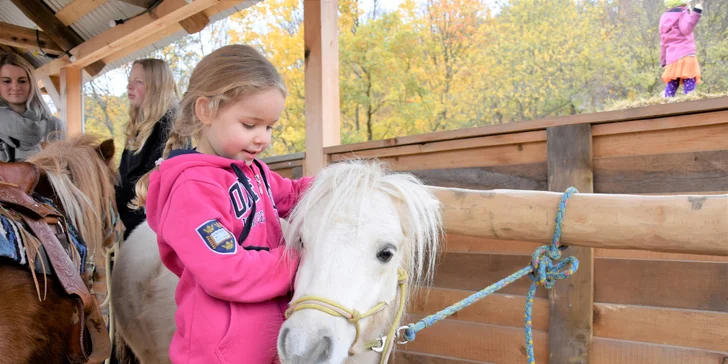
x: 83, y: 184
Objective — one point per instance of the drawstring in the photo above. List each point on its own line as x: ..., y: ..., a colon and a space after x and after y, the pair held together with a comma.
x: 249, y: 222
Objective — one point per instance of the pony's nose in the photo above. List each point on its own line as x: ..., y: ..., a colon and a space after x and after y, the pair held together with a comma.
x: 295, y: 347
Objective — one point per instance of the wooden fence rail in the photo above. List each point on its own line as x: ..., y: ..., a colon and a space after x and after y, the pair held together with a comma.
x: 673, y: 224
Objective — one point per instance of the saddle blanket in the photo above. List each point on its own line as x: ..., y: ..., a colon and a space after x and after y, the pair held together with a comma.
x: 12, y: 247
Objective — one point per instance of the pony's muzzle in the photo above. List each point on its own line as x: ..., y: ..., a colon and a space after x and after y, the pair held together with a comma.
x: 300, y: 346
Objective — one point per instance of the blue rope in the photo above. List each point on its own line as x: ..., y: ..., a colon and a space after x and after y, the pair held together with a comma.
x: 542, y: 271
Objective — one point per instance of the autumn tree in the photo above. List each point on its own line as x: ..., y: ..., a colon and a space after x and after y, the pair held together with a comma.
x: 275, y: 27
x: 431, y: 65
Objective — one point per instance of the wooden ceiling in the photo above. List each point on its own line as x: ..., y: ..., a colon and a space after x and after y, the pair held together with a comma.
x: 56, y: 37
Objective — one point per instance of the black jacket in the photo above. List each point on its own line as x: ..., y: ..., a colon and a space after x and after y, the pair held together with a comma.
x: 134, y: 166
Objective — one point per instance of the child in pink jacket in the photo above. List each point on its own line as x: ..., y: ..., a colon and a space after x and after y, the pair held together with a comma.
x: 677, y: 46
x: 215, y: 210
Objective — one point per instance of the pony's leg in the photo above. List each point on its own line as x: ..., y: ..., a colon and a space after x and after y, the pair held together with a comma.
x: 671, y: 88
x: 688, y: 85
x: 33, y: 331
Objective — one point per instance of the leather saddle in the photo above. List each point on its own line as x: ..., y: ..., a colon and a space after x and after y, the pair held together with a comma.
x: 90, y: 342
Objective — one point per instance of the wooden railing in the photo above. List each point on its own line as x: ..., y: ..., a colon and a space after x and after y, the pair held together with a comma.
x: 665, y: 304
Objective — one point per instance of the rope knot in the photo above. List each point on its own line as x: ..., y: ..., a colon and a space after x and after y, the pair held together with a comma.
x: 545, y: 272
x: 355, y: 317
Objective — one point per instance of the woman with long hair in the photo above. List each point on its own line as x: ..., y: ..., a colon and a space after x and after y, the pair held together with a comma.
x: 153, y: 101
x: 25, y: 120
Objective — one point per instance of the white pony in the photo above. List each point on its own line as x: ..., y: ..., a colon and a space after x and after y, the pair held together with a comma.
x: 365, y: 236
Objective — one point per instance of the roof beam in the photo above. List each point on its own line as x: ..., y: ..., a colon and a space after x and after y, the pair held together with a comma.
x: 195, y: 23
x: 77, y: 10
x: 15, y: 36
x: 156, y: 37
x: 124, y: 35
x: 40, y: 14
x: 43, y: 17
x: 143, y: 40
x: 140, y: 3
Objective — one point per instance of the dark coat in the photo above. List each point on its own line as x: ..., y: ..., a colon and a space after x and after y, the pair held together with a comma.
x: 134, y: 166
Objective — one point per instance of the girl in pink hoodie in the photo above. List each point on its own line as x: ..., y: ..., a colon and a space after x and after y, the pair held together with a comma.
x: 215, y: 210
x: 677, y: 46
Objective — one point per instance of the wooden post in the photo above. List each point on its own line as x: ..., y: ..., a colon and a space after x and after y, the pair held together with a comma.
x: 571, y: 300
x: 72, y: 100
x: 322, y: 80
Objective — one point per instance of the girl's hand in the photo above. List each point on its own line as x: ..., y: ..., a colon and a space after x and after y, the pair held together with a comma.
x: 699, y: 7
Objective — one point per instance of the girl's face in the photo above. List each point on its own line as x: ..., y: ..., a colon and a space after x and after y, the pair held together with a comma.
x: 242, y: 130
x: 135, y: 88
x: 14, y: 85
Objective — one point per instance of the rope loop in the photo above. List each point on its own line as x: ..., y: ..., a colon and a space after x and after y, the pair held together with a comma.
x: 546, y: 273
x: 542, y: 271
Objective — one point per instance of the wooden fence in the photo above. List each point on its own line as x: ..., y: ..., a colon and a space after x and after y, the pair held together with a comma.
x: 623, y: 306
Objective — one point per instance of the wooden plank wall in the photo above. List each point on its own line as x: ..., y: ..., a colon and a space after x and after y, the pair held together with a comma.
x: 289, y: 166
x: 648, y: 307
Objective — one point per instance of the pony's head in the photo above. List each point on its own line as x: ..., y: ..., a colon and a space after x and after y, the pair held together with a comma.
x: 360, y: 230
x: 79, y: 175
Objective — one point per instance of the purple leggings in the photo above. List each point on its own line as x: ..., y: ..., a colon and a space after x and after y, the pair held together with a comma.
x: 671, y: 88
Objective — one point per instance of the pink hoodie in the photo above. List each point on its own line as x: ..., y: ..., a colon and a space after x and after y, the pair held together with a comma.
x: 676, y: 34
x: 232, y: 295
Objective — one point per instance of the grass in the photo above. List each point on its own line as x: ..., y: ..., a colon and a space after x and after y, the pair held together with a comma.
x: 659, y: 100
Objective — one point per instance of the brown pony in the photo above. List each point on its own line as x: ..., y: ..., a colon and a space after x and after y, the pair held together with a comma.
x: 78, y: 175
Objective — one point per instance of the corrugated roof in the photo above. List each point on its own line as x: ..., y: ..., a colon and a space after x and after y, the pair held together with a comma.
x: 97, y: 21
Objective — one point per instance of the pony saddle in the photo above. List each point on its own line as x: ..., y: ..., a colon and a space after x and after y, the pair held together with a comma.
x: 48, y: 247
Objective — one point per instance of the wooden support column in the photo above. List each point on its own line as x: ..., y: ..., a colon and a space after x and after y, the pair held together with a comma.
x: 72, y: 100
x: 571, y: 300
x: 320, y: 19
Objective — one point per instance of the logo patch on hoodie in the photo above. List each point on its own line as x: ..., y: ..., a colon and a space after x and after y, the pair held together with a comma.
x: 219, y: 239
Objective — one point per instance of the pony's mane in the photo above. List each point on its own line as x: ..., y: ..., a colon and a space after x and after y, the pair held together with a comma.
x: 83, y: 183
x: 349, y: 183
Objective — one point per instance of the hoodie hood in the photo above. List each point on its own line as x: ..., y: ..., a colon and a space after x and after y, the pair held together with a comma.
x: 671, y: 18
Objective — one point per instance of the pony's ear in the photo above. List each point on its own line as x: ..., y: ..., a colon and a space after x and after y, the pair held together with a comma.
x: 106, y: 149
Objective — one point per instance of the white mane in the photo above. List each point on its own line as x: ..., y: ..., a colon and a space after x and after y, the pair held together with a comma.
x: 350, y: 183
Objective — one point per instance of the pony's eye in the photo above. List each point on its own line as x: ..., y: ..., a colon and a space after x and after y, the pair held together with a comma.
x: 385, y: 255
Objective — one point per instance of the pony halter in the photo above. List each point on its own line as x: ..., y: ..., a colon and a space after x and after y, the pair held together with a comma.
x: 383, y: 344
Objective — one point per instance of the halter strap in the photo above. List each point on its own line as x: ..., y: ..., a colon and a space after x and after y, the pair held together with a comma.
x: 382, y: 344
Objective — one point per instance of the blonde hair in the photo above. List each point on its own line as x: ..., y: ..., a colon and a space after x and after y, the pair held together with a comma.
x: 35, y: 103
x: 162, y: 97
x: 223, y: 77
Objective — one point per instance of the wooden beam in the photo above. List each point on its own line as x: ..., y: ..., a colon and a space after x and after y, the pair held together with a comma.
x: 134, y: 30
x: 77, y: 10
x: 56, y: 81
x: 56, y: 30
x: 156, y: 37
x: 689, y: 224
x: 43, y: 17
x: 54, y: 67
x: 572, y: 303
x: 140, y: 3
x: 53, y: 90
x: 195, y: 23
x: 16, y: 36
x: 72, y: 100
x: 321, y: 80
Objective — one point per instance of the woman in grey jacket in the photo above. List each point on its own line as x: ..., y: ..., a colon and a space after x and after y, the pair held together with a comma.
x: 25, y: 120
